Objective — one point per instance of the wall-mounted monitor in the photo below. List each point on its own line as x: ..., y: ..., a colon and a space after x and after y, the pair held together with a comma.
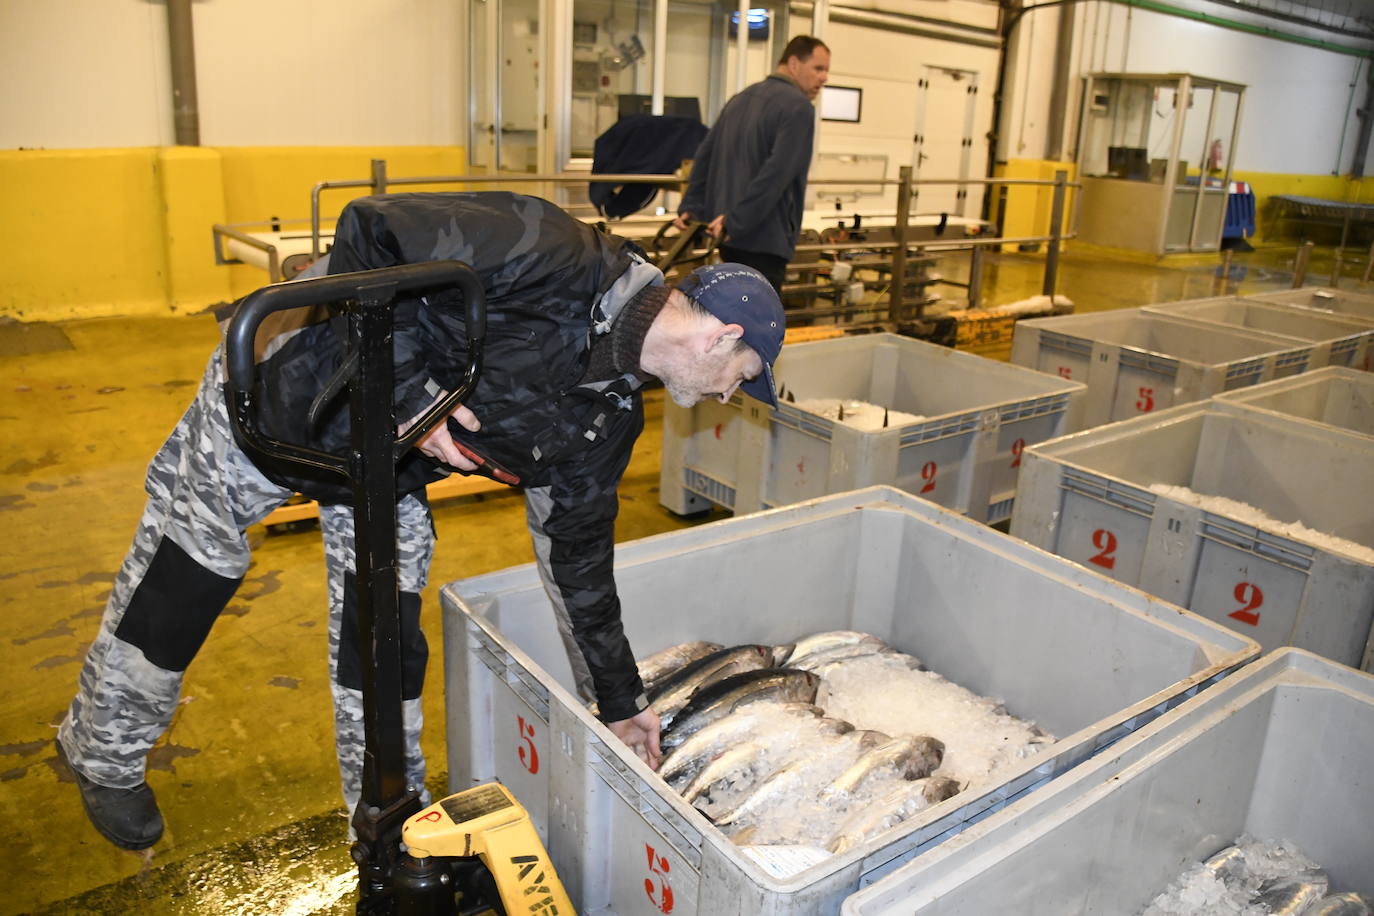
x: 841, y: 103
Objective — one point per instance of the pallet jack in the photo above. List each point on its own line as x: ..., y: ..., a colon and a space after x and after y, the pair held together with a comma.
x: 475, y: 851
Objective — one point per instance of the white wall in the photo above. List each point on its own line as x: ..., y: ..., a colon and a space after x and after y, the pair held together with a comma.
x: 82, y: 73
x: 1295, y: 116
x: 887, y: 66
x: 95, y: 73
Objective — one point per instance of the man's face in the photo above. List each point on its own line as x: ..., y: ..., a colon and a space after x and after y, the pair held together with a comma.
x: 713, y: 374
x: 810, y: 74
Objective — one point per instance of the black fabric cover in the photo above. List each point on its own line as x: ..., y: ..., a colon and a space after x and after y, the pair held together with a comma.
x: 640, y: 145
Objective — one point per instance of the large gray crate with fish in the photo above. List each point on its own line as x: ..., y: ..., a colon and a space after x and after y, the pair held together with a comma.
x: 1338, y: 340
x: 1087, y: 659
x: 1340, y: 301
x: 1280, y: 750
x: 975, y: 417
x: 1135, y: 362
x: 1332, y: 396
x: 1255, y: 520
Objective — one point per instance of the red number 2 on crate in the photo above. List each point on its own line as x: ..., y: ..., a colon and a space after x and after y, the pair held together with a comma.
x: 1249, y: 595
x: 1105, y: 542
x: 660, y: 893
x: 528, y: 755
x: 1065, y: 372
x: 928, y: 475
x: 1016, y: 448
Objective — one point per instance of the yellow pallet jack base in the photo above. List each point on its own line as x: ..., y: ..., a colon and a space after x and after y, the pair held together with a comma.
x: 450, y: 487
x: 487, y: 822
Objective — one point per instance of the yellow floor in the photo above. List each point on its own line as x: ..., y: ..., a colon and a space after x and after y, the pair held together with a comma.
x: 246, y: 776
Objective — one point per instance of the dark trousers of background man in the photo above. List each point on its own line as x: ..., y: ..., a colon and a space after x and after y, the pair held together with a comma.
x: 773, y: 268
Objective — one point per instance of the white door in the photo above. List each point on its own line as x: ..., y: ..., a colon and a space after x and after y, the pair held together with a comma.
x: 945, y: 103
x: 505, y: 85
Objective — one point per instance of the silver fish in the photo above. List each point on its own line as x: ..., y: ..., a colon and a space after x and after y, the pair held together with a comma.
x: 687, y: 758
x: 911, y: 756
x: 664, y: 662
x: 896, y: 806
x: 1291, y: 896
x: 787, y: 782
x: 1348, y: 904
x: 719, y: 699
x: 1227, y: 865
x: 739, y: 762
x: 674, y: 691
x: 830, y: 664
x: 831, y: 639
x: 816, y: 660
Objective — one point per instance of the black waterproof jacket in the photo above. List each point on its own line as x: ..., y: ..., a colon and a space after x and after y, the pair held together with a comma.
x: 552, y: 284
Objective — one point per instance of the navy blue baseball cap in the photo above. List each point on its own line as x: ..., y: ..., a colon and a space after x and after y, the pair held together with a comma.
x: 738, y: 294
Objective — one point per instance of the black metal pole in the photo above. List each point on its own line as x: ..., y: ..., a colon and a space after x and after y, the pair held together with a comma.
x: 373, y: 481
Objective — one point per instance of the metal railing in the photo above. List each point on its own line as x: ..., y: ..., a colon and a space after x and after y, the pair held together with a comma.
x: 902, y: 245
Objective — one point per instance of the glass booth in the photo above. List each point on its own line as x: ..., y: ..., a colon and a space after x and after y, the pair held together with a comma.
x: 1155, y: 153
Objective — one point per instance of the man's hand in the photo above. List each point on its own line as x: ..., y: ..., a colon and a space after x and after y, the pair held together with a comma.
x: 716, y: 227
x: 641, y: 734
x: 438, y: 444
x: 681, y: 221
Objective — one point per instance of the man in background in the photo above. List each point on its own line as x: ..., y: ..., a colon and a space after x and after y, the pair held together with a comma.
x: 749, y: 175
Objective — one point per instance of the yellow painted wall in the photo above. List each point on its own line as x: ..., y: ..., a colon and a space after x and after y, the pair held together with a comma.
x: 81, y: 233
x: 264, y: 182
x: 1028, y: 207
x: 100, y: 232
x: 1325, y: 187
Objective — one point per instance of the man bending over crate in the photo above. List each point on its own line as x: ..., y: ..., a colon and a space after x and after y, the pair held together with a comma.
x: 578, y: 321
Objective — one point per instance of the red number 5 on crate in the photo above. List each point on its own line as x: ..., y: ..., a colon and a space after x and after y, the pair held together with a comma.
x: 529, y: 755
x: 656, y: 886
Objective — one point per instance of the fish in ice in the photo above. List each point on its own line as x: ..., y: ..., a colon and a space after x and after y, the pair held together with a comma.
x: 1291, y: 896
x: 654, y: 668
x: 910, y: 756
x: 788, y: 783
x: 815, y: 660
x: 718, y: 699
x: 737, y: 763
x: 696, y: 750
x: 674, y: 691
x: 1228, y: 865
x: 1347, y: 904
x: 828, y: 640
x: 899, y: 805
x: 744, y: 764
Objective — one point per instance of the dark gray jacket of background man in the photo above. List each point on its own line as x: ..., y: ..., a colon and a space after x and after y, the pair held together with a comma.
x: 752, y: 167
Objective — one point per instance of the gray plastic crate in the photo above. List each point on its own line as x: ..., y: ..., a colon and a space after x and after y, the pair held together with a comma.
x: 1087, y: 497
x: 978, y: 416
x: 1331, y: 397
x: 1340, y: 340
x: 1088, y: 659
x: 1317, y: 297
x: 1280, y: 750
x: 1135, y: 362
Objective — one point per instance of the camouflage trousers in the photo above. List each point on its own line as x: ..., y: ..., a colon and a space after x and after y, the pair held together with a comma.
x: 189, y: 555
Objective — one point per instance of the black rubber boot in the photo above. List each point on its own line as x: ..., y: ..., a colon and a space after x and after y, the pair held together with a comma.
x: 129, y: 818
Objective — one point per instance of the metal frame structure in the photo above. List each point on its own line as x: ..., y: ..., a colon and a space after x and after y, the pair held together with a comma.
x: 902, y: 247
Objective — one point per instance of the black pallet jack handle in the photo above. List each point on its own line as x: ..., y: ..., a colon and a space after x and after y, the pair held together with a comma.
x: 367, y: 299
